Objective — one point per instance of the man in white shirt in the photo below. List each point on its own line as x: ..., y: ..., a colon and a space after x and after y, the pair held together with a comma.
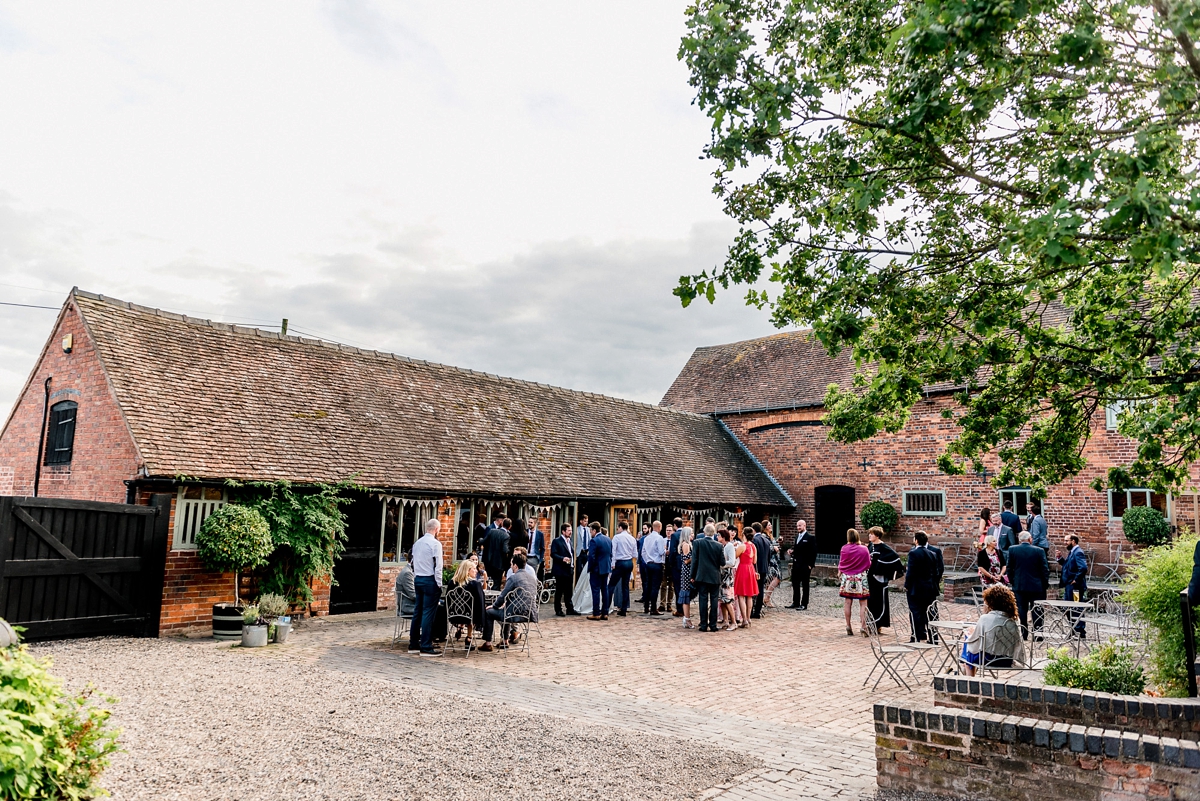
x: 427, y: 559
x: 654, y: 554
x: 624, y: 553
x: 583, y: 538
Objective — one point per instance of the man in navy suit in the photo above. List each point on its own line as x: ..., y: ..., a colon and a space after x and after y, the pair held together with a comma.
x: 561, y: 561
x: 599, y: 565
x: 537, y: 546
x: 1074, y: 576
x: 921, y: 579
x: 707, y: 561
x: 762, y: 552
x: 1030, y: 574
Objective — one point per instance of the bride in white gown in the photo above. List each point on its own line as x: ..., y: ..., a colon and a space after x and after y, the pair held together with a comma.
x: 581, y: 599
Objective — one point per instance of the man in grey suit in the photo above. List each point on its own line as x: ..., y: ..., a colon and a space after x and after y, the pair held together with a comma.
x: 526, y: 607
x: 1038, y: 528
x: 1005, y: 538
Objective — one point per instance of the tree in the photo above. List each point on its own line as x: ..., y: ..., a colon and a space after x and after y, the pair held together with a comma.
x: 994, y: 195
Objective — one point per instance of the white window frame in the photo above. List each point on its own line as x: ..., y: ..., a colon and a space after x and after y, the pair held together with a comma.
x: 1170, y: 515
x: 190, y: 514
x: 904, y: 503
x: 1026, y: 491
x: 422, y: 507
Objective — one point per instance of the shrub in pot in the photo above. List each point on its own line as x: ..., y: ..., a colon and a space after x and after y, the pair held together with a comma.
x: 879, y: 513
x: 254, y: 628
x: 1145, y: 525
x: 232, y: 539
x: 273, y: 609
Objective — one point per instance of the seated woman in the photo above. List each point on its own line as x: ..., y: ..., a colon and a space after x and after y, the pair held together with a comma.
x: 468, y: 576
x: 406, y: 588
x: 995, y: 641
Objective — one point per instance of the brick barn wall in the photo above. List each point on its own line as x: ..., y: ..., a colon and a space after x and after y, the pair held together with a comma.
x: 802, y: 458
x: 104, y: 453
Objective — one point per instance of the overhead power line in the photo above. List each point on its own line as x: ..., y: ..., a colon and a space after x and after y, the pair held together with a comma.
x: 30, y: 306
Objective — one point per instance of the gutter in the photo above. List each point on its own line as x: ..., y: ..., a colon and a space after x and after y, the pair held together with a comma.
x: 754, y: 459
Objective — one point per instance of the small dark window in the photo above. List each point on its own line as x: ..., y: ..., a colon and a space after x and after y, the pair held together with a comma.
x: 60, y: 432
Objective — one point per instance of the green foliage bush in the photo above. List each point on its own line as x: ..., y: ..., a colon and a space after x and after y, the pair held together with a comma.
x: 250, y: 615
x: 308, y: 529
x: 1145, y: 525
x: 879, y: 513
x: 52, y: 745
x: 1108, y: 669
x: 234, y: 538
x: 1157, y: 575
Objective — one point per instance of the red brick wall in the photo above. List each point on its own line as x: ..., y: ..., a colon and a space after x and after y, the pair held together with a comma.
x: 104, y: 453
x: 802, y: 458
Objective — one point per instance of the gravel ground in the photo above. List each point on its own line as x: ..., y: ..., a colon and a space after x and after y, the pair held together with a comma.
x: 207, y: 722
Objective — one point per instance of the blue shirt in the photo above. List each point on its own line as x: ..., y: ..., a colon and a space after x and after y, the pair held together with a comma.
x: 624, y: 546
x: 654, y: 550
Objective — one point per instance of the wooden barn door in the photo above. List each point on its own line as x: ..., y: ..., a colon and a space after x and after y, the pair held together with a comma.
x: 79, y: 568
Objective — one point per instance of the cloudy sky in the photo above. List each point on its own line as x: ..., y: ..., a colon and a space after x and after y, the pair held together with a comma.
x: 512, y: 187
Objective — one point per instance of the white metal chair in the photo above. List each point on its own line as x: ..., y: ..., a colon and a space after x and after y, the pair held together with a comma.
x: 904, y: 631
x: 403, y: 625
x: 887, y: 659
x: 1112, y: 570
x: 460, y: 609
x: 998, y: 643
x: 519, y: 610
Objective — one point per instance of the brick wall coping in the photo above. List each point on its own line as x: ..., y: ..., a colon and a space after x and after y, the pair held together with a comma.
x: 916, y: 724
x: 1132, y: 706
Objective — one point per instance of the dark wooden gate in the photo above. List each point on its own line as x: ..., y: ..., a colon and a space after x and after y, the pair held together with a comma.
x: 78, y: 568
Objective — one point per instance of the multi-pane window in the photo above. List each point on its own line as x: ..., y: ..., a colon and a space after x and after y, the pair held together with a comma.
x: 192, y: 506
x: 1120, y: 500
x: 1018, y: 496
x: 927, y: 504
x: 60, y: 432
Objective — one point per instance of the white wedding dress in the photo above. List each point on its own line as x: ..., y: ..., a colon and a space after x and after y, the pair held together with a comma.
x: 581, y: 599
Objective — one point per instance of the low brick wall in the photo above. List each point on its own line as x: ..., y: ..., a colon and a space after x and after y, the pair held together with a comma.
x: 1166, y: 717
x: 975, y: 754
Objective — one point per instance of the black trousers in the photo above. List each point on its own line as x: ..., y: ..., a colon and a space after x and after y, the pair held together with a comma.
x: 801, y: 574
x: 707, y: 596
x: 918, y: 607
x: 580, y: 563
x: 562, y: 589
x: 490, y: 616
x: 756, y: 610
x: 1024, y: 604
x: 653, y: 574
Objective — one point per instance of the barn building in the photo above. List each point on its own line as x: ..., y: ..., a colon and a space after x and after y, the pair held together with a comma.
x: 128, y: 402
x: 770, y: 393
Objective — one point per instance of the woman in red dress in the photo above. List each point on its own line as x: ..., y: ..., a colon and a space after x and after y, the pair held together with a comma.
x: 745, y: 580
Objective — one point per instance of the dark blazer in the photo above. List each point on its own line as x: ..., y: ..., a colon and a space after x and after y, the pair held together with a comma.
x: 762, y: 548
x: 537, y: 544
x: 1013, y: 521
x: 600, y: 555
x: 941, y: 564
x: 494, y: 552
x: 518, y: 538
x: 804, y: 552
x: 922, y: 574
x: 1006, y: 537
x: 708, y: 557
x: 1194, y: 586
x: 1074, y: 571
x: 1028, y: 569
x: 561, y: 549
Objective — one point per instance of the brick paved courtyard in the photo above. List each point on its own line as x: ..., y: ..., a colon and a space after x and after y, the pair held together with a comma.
x: 788, y: 690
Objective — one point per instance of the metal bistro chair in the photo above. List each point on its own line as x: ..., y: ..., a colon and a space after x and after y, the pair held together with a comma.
x: 519, y: 610
x: 460, y: 610
x: 887, y: 658
x: 403, y: 625
x: 1112, y: 570
x: 904, y: 631
x: 996, y: 643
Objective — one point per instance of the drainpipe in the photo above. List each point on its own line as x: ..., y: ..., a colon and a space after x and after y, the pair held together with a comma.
x: 37, y: 468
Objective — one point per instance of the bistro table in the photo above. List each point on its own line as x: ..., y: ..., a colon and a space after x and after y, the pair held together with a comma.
x: 1058, y: 621
x: 950, y: 636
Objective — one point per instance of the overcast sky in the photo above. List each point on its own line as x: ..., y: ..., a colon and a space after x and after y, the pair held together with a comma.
x: 510, y: 187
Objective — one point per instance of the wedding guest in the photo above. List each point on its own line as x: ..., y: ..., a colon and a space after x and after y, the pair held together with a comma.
x: 922, y: 578
x: 762, y: 566
x: 1038, y: 530
x: 683, y: 601
x: 671, y: 577
x: 985, y: 520
x: 561, y: 570
x: 583, y: 537
x: 654, y: 554
x: 991, y: 563
x: 728, y: 598
x: 774, y: 572
x: 467, y: 575
x: 406, y: 588
x: 599, y: 566
x: 996, y: 638
x: 885, y: 566
x: 804, y: 557
x: 1030, y: 575
x: 707, y: 564
x: 428, y: 554
x: 624, y: 552
x: 745, y: 581
x: 853, y: 564
x: 524, y: 581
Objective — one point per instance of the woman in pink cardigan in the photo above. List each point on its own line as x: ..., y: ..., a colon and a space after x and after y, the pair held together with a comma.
x: 853, y: 565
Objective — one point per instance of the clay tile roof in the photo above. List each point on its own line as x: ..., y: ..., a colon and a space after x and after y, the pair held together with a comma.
x: 212, y: 400
x: 788, y: 370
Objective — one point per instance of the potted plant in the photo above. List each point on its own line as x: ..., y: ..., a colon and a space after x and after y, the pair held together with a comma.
x: 273, y: 608
x: 879, y: 513
x: 232, y: 539
x: 254, y: 628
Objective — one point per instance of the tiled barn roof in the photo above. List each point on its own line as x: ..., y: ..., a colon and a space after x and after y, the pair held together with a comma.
x: 211, y: 400
x: 781, y: 371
